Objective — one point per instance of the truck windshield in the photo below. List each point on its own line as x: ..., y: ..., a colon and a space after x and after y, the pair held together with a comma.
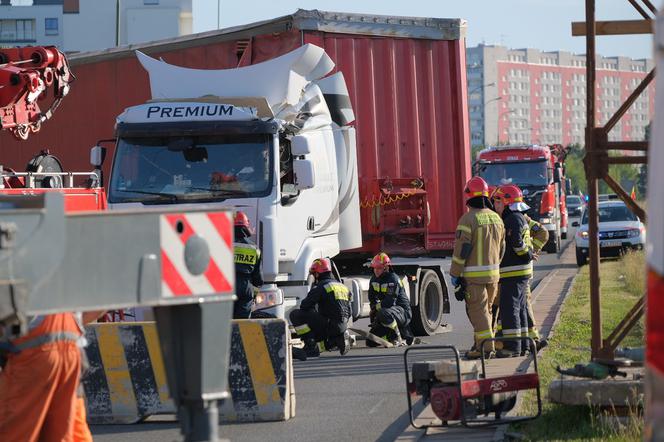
x: 190, y: 169
x: 521, y: 173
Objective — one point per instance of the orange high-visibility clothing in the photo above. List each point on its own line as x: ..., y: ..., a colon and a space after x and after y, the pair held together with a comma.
x: 81, y: 432
x: 38, y: 385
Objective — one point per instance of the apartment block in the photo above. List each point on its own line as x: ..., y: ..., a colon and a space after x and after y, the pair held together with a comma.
x: 531, y: 96
x: 91, y: 25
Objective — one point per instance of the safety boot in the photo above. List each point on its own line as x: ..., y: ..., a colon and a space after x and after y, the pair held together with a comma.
x: 311, y: 348
x: 343, y: 343
x: 474, y: 353
x: 299, y: 353
x: 506, y: 353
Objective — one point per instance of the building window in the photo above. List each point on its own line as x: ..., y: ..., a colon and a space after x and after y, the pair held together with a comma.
x: 51, y: 26
x: 17, y: 30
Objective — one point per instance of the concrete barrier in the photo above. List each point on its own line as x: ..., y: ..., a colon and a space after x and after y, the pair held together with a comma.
x: 126, y: 381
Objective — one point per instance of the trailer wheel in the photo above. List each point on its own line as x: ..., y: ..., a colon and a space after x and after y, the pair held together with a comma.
x: 428, y: 313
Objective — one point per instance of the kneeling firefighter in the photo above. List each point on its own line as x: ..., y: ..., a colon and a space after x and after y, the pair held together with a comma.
x: 248, y: 275
x: 322, y: 319
x: 390, y: 308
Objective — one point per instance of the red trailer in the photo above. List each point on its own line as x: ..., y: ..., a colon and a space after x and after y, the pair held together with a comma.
x: 407, y: 82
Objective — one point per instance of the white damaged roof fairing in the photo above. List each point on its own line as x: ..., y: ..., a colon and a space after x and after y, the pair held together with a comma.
x: 281, y: 80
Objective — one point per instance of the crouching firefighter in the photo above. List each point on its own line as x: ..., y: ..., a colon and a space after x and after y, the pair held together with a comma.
x: 248, y: 275
x: 539, y: 236
x: 390, y: 308
x: 516, y: 268
x: 322, y: 319
x: 475, y: 269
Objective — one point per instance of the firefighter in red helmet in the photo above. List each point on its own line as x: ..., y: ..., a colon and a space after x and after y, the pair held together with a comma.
x: 248, y: 275
x: 322, y: 319
x: 475, y: 269
x: 390, y: 307
x: 516, y: 268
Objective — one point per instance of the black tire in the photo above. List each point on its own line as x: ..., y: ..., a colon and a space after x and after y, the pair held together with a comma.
x: 563, y: 235
x: 428, y: 313
x: 553, y: 245
x: 581, y: 259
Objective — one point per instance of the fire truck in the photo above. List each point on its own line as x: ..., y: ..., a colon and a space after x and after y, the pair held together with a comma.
x: 539, y: 172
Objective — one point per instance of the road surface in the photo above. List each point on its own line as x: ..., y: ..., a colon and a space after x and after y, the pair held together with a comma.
x: 360, y: 396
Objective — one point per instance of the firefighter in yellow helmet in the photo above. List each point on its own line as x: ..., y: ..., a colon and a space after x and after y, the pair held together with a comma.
x: 475, y: 270
x: 390, y: 308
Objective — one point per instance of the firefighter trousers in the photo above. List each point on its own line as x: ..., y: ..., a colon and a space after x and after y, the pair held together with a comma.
x: 532, y: 325
x: 513, y: 311
x: 386, y: 317
x: 479, y: 299
x: 314, y: 328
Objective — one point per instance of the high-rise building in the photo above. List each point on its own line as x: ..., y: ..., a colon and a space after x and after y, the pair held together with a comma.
x: 530, y: 96
x: 90, y: 25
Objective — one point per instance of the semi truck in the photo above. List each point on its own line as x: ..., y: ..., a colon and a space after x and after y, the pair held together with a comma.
x: 539, y: 172
x: 339, y: 135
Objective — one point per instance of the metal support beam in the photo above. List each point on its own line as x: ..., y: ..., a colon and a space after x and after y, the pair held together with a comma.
x: 591, y: 172
x: 639, y: 9
x: 617, y: 188
x: 624, y: 327
x: 623, y: 27
x: 630, y: 100
x: 627, y: 145
x: 628, y: 160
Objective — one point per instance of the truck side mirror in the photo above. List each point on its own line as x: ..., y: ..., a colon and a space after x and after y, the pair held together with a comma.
x: 305, y: 174
x: 575, y: 224
x: 97, y: 155
x: 300, y: 145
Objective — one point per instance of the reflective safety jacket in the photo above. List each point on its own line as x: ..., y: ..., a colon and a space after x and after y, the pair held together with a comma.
x: 479, y: 246
x: 247, y: 267
x: 332, y: 299
x: 538, y: 234
x: 386, y: 291
x: 517, y: 262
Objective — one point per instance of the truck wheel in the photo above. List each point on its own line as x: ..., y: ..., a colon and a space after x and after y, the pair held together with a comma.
x: 563, y: 235
x: 428, y: 313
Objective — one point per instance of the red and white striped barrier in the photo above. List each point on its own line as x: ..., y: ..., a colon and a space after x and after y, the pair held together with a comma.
x: 194, y: 249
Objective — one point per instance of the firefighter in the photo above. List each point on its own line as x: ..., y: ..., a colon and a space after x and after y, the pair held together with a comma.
x: 39, y: 382
x: 539, y: 237
x: 322, y: 319
x: 390, y: 308
x: 248, y: 277
x: 478, y: 249
x: 516, y: 268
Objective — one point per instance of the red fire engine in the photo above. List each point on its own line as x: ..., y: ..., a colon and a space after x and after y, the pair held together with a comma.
x: 539, y: 172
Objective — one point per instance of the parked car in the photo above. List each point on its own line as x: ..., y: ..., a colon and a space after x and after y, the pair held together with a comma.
x: 575, y: 205
x: 619, y: 230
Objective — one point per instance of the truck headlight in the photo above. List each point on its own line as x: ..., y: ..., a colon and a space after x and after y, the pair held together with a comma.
x: 545, y: 220
x: 582, y: 234
x: 268, y: 297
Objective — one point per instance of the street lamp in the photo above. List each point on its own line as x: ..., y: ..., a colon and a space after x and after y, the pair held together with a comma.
x: 480, y: 87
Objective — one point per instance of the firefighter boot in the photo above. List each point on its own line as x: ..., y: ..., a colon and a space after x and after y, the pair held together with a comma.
x: 474, y: 353
x: 343, y: 343
x: 299, y: 353
x: 312, y: 348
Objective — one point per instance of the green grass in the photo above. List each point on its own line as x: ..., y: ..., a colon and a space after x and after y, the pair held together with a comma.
x: 623, y: 283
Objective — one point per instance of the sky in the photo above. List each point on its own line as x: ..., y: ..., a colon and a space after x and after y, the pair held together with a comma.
x: 538, y: 24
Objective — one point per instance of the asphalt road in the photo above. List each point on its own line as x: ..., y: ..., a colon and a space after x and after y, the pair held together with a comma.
x: 360, y: 396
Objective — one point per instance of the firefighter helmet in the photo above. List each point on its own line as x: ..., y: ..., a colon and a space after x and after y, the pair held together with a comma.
x: 475, y: 187
x: 512, y: 197
x: 320, y: 265
x: 380, y: 260
x: 242, y: 220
